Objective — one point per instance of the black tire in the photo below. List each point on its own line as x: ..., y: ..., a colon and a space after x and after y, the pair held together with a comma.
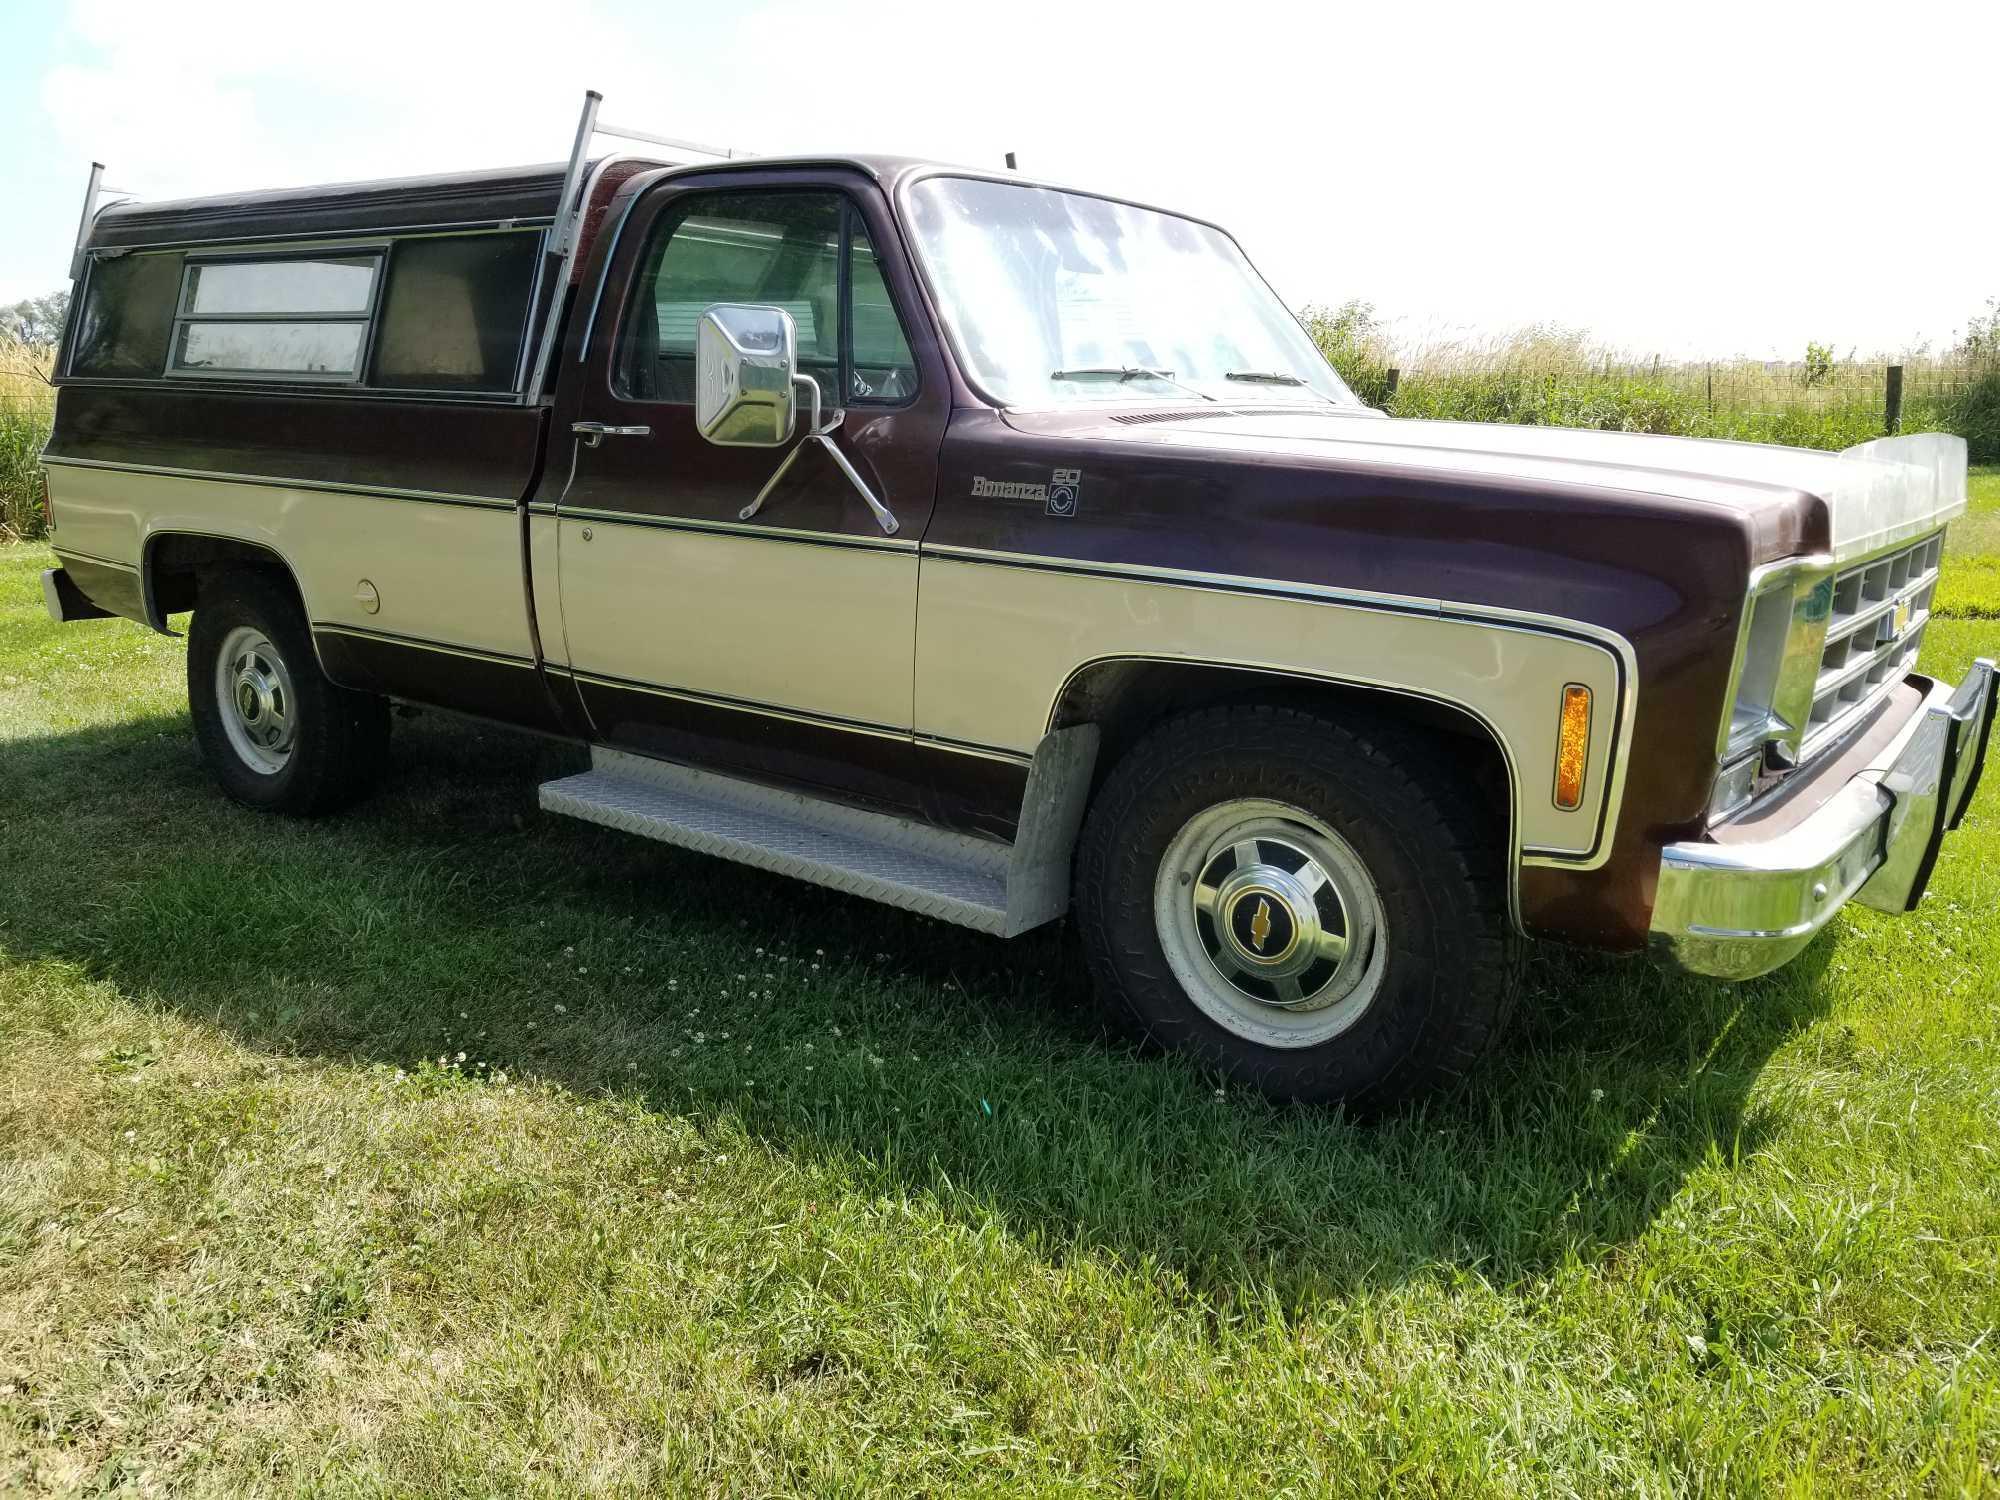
x: 336, y: 740
x: 1437, y: 974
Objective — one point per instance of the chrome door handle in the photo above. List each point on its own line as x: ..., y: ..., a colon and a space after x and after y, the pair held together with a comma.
x: 594, y: 433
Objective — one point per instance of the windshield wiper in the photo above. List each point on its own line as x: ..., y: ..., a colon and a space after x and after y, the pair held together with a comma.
x: 1263, y: 377
x: 1277, y: 377
x: 1123, y: 373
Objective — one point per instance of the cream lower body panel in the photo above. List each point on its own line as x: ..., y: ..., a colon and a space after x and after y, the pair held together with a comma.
x: 819, y: 630
x: 997, y: 643
x: 445, y: 572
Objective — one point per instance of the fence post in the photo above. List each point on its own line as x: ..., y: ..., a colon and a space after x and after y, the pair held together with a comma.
x: 1892, y: 400
x: 1389, y: 385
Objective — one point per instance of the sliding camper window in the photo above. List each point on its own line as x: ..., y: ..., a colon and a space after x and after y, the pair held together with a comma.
x: 455, y: 312
x: 128, y: 315
x: 301, y: 317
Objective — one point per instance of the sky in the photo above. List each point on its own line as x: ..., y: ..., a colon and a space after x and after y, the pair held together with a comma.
x: 1694, y: 180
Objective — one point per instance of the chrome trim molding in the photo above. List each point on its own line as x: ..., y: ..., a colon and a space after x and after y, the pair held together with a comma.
x: 316, y: 239
x: 102, y: 562
x: 1739, y: 910
x: 382, y: 492
x: 767, y: 533
x: 744, y: 705
x: 417, y: 643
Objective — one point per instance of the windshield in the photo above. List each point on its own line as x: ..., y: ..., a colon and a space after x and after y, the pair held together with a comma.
x: 1058, y: 298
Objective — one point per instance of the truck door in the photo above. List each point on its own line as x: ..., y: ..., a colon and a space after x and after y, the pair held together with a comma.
x: 781, y: 645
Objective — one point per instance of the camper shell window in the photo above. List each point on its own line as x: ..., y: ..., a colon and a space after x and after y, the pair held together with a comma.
x: 435, y: 314
x: 277, y: 317
x: 127, y: 319
x: 455, y: 312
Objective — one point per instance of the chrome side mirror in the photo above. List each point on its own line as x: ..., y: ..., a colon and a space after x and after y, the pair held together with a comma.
x: 746, y: 360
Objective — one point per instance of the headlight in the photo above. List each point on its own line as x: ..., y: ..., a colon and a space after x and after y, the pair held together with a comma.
x: 1753, y: 714
x: 1771, y: 689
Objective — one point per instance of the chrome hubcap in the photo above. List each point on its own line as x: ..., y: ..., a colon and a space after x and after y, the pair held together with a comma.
x: 1271, y: 922
x: 254, y: 691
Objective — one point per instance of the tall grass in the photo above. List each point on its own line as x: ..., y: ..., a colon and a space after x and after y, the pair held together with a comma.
x: 1557, y: 377
x: 27, y: 405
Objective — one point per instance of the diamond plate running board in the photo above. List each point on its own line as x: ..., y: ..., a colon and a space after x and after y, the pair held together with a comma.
x: 980, y: 883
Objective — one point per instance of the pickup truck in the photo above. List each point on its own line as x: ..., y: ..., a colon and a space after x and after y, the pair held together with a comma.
x: 1003, y: 552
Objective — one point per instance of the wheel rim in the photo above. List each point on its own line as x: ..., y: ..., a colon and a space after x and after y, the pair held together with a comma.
x: 1271, y: 923
x: 253, y: 690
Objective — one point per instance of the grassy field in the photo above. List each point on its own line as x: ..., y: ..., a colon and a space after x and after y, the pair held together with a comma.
x: 443, y: 1149
x: 27, y: 406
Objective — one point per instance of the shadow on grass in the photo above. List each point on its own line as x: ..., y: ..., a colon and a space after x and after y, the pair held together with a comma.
x: 894, y: 1055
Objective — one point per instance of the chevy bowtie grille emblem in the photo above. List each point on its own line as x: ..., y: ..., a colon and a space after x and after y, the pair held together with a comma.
x: 1260, y: 924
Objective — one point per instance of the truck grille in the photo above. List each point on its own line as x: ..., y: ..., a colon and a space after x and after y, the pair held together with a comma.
x: 1880, y: 609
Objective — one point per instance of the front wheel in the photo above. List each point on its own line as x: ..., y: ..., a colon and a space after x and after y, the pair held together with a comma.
x: 275, y: 731
x: 1311, y: 909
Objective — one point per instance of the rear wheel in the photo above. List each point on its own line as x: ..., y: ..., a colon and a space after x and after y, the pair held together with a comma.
x: 275, y: 731
x: 1312, y: 909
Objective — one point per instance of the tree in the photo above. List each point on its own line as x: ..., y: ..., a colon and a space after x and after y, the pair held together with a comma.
x: 36, y: 322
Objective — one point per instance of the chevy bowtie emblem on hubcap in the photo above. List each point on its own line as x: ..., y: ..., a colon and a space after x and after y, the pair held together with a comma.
x: 1260, y: 925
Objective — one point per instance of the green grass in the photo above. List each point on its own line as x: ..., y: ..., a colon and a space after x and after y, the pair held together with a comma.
x: 742, y: 1187
x: 27, y: 406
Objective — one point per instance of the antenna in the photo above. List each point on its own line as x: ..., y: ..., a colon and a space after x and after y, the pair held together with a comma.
x: 575, y: 197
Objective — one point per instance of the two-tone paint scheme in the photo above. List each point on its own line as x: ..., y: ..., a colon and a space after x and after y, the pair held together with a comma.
x: 472, y: 554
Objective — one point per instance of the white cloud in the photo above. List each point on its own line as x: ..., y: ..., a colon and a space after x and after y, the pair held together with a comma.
x: 1718, y: 175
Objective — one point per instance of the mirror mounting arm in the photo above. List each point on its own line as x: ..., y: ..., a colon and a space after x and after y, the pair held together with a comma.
x: 823, y: 435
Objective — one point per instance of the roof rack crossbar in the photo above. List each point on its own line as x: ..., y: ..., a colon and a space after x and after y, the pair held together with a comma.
x: 568, y: 230
x: 725, y: 153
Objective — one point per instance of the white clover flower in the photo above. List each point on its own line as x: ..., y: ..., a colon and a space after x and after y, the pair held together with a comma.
x: 562, y: 1010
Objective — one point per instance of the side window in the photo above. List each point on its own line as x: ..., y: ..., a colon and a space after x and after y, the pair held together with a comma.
x: 453, y: 312
x: 300, y: 318
x: 128, y: 315
x: 779, y: 249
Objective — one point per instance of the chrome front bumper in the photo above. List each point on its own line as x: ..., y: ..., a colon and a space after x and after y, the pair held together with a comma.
x: 1740, y: 910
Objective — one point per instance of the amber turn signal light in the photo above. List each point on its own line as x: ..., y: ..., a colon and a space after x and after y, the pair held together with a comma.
x: 1572, y: 746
